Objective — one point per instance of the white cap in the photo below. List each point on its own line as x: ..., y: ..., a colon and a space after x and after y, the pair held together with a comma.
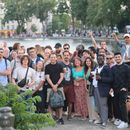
x: 127, y: 35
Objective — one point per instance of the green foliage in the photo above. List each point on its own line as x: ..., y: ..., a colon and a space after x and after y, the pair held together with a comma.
x: 60, y: 22
x: 24, y: 109
x: 34, y: 28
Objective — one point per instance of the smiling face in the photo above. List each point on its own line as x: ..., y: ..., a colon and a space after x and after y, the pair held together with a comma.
x: 88, y: 62
x: 77, y: 62
x: 118, y: 58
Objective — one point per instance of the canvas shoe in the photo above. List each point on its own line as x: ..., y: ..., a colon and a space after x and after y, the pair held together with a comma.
x: 117, y: 122
x: 122, y: 125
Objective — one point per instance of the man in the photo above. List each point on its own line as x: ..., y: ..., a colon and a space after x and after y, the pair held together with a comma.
x: 103, y: 44
x: 124, y: 47
x: 58, y: 48
x: 66, y: 47
x: 33, y: 56
x: 5, y: 69
x: 120, y: 84
x: 68, y: 82
x: 101, y: 82
x: 54, y: 75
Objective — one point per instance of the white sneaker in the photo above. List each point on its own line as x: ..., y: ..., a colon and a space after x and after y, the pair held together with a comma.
x: 97, y: 122
x: 122, y: 125
x: 117, y: 122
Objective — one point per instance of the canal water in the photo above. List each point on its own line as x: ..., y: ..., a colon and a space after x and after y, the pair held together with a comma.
x: 30, y: 42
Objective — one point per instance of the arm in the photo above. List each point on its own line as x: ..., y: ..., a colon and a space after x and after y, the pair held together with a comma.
x: 6, y: 72
x: 115, y: 37
x: 93, y: 40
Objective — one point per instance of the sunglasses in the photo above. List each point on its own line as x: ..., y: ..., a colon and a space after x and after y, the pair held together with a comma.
x: 66, y: 48
x: 109, y: 58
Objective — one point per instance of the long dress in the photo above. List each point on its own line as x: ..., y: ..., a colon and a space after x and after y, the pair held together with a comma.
x: 80, y: 90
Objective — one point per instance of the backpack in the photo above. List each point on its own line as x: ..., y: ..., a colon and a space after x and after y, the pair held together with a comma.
x: 56, y: 99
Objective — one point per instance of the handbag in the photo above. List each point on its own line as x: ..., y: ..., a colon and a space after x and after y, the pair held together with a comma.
x: 56, y: 99
x: 23, y: 82
x: 91, y: 90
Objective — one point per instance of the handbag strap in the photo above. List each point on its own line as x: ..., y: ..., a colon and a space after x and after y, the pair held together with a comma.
x: 26, y: 73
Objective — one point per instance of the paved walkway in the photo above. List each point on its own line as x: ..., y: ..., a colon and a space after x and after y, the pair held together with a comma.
x: 76, y: 124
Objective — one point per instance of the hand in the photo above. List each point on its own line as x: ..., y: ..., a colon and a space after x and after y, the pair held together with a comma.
x: 54, y: 88
x: 113, y: 34
x: 90, y: 34
x: 98, y: 77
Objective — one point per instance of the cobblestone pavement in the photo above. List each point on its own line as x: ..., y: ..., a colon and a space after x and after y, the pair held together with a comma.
x: 76, y: 124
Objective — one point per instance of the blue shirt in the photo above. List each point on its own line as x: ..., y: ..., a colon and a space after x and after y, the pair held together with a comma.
x: 3, y: 66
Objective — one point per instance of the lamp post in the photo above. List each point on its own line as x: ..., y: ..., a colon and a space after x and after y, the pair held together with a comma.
x: 6, y: 119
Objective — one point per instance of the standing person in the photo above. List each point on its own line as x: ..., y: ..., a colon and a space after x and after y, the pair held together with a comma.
x: 111, y: 62
x: 5, y: 69
x: 33, y: 56
x: 38, y: 86
x: 124, y: 47
x: 121, y: 82
x: 54, y: 75
x: 58, y: 48
x: 21, y: 71
x: 89, y: 67
x: 80, y: 89
x: 68, y: 82
x: 101, y: 82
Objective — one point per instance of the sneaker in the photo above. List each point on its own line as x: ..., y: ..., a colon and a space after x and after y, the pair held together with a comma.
x: 103, y: 125
x: 60, y: 121
x: 117, y: 122
x: 122, y: 125
x: 97, y: 122
x: 90, y: 120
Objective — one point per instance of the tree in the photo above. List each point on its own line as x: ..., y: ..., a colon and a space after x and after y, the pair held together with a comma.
x: 19, y: 11
x: 42, y: 8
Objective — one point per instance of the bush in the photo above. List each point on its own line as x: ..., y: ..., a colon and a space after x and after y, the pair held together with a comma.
x: 24, y: 109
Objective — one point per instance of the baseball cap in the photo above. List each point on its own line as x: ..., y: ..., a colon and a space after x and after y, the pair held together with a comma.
x: 58, y: 45
x: 127, y: 35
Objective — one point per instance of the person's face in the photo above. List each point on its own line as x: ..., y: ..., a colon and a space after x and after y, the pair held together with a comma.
x: 53, y: 58
x: 47, y: 53
x: 109, y: 59
x: 85, y: 55
x: 39, y: 65
x: 32, y: 53
x: 102, y: 51
x: 127, y: 40
x: 118, y: 59
x: 88, y: 62
x: 103, y: 45
x: 66, y: 56
x: 25, y: 61
x: 58, y: 50
x: 14, y: 54
x: 66, y: 48
x: 20, y: 53
x: 100, y: 60
x: 77, y: 62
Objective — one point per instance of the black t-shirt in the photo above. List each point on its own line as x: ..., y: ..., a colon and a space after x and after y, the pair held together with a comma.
x: 68, y: 80
x: 54, y: 71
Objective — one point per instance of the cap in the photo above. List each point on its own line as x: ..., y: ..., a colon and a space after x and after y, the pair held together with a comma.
x: 58, y: 45
x: 127, y: 35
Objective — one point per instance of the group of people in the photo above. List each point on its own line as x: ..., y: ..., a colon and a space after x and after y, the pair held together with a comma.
x: 94, y: 81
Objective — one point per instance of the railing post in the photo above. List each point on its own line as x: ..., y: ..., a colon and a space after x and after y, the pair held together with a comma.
x: 6, y: 118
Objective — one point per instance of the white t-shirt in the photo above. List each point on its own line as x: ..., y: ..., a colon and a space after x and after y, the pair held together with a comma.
x: 20, y: 72
x: 39, y: 76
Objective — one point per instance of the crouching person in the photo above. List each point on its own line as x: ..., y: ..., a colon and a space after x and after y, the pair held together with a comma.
x: 54, y: 74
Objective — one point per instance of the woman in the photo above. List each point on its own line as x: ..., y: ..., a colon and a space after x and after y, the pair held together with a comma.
x: 38, y: 86
x: 80, y: 89
x: 24, y: 71
x: 89, y: 67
